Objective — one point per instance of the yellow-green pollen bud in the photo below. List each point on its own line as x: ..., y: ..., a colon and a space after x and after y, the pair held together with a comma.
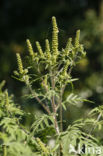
x: 77, y: 38
x: 30, y: 49
x: 47, y: 48
x: 39, y: 49
x: 66, y: 68
x: 19, y: 62
x: 54, y: 37
x: 42, y: 146
x: 68, y: 46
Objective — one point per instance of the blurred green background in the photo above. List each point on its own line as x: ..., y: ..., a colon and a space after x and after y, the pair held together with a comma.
x: 22, y: 19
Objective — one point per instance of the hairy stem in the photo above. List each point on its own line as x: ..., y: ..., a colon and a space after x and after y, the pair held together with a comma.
x: 38, y: 99
x: 54, y: 105
x: 61, y: 109
x: 61, y: 118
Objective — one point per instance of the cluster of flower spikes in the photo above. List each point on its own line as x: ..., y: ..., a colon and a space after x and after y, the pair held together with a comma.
x: 71, y: 54
x: 51, y: 52
x: 52, y: 55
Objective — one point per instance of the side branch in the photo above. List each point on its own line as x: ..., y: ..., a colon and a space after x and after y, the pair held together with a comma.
x: 38, y: 99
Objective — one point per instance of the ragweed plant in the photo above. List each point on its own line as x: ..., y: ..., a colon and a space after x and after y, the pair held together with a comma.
x: 51, y: 68
x: 57, y: 65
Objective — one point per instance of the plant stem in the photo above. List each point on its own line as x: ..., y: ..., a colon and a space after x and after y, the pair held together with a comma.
x: 38, y: 99
x: 61, y: 110
x: 61, y: 118
x: 53, y: 105
x: 61, y: 113
x: 4, y: 151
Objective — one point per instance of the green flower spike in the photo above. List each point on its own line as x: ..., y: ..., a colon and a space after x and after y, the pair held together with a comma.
x: 30, y: 49
x: 77, y: 38
x: 19, y: 62
x: 47, y: 48
x: 42, y: 146
x: 39, y: 49
x: 54, y: 37
x: 66, y: 68
x: 68, y: 46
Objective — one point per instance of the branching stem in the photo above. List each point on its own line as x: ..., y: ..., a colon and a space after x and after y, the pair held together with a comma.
x: 38, y: 99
